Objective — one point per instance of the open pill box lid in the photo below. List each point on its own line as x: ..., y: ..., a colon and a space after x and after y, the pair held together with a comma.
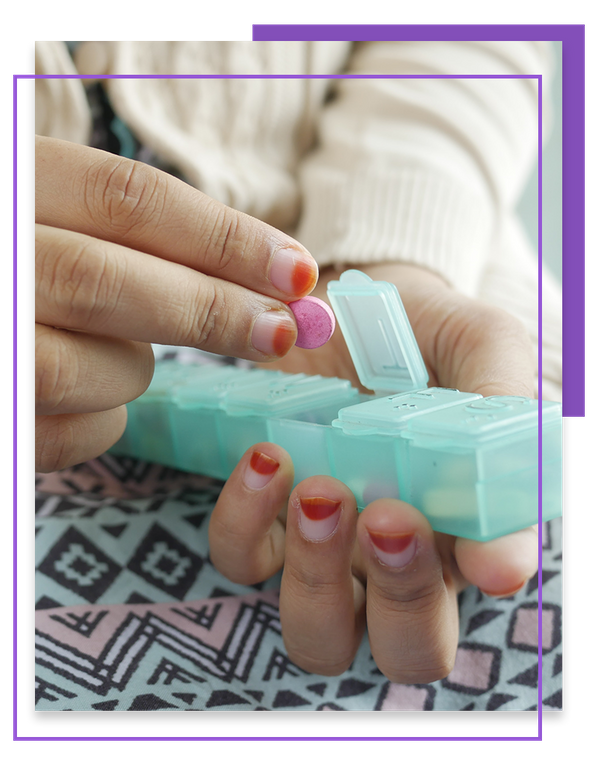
x: 378, y: 334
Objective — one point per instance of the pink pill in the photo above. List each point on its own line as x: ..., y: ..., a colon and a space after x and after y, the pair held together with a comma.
x: 315, y: 321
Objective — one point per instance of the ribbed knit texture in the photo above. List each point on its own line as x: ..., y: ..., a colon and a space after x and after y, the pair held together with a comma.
x: 420, y: 170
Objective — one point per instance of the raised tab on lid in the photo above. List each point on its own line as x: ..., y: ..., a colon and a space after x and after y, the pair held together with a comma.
x: 390, y: 415
x: 378, y: 334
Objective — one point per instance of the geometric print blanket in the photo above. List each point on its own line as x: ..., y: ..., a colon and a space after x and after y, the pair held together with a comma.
x: 132, y: 616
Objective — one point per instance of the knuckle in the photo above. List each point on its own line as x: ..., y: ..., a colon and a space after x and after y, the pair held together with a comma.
x: 122, y: 195
x: 225, y: 242
x: 90, y: 284
x: 205, y: 323
x: 305, y: 582
x: 425, y: 644
x: 56, y: 370
x: 54, y: 443
x: 61, y: 441
x: 420, y: 602
x: 76, y: 276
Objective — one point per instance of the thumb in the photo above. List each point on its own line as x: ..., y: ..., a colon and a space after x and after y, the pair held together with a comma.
x: 490, y: 352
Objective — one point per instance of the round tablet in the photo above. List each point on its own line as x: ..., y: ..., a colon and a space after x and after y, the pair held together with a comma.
x: 315, y: 321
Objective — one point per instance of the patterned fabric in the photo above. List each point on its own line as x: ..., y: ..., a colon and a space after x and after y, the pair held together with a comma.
x: 132, y: 616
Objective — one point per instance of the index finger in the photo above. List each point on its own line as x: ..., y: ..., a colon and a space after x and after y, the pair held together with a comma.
x: 95, y: 286
x: 89, y: 191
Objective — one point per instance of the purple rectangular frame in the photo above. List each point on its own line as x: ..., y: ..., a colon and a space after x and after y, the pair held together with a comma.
x: 574, y: 275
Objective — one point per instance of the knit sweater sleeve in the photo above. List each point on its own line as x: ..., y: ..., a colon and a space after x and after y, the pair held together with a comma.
x: 423, y: 169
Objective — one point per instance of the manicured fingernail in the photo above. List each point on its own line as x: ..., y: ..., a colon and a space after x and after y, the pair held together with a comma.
x: 274, y: 333
x: 293, y: 272
x: 394, y: 550
x: 260, y: 470
x: 319, y: 517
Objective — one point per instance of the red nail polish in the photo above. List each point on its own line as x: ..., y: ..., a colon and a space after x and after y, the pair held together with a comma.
x: 304, y: 276
x: 283, y: 340
x: 260, y: 470
x: 318, y: 508
x: 293, y: 272
x: 263, y: 464
x: 273, y: 333
x: 319, y: 517
x: 394, y: 550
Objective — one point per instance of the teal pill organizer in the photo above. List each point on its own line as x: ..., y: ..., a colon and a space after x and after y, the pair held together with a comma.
x: 468, y: 463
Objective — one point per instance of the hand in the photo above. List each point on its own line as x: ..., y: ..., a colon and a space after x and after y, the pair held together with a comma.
x: 385, y: 569
x: 127, y: 255
x: 466, y: 344
x: 331, y: 585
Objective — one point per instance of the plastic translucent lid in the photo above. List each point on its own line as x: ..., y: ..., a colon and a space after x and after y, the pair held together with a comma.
x: 390, y: 415
x: 284, y: 393
x: 210, y: 386
x: 379, y: 336
x: 169, y: 375
x: 486, y: 418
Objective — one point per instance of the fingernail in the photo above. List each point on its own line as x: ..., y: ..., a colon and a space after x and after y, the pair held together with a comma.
x: 395, y: 550
x: 319, y: 517
x: 259, y: 471
x: 274, y: 333
x: 293, y: 272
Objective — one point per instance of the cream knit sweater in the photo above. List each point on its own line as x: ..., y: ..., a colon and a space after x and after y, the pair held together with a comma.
x: 359, y: 170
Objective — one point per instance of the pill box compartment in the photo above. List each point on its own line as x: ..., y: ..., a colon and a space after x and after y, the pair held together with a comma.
x: 293, y: 410
x: 473, y: 467
x: 149, y: 434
